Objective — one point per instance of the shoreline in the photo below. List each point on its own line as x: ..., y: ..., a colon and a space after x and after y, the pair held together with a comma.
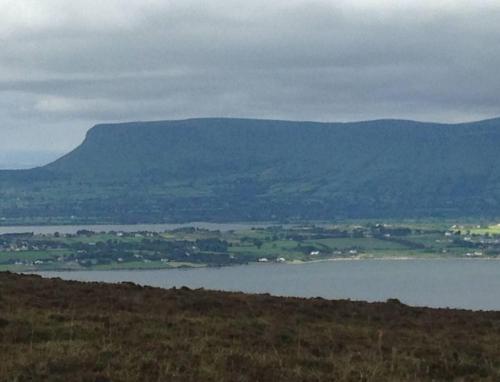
x: 292, y: 262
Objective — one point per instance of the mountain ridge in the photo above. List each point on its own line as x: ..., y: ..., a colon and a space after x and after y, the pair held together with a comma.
x: 248, y: 169
x: 101, y: 126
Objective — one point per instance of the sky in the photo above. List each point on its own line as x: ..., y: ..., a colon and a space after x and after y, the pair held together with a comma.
x: 67, y: 65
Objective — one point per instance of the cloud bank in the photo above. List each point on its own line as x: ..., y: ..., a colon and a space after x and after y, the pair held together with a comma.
x: 65, y: 66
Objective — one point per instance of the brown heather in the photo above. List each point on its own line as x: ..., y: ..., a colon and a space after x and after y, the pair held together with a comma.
x: 54, y: 330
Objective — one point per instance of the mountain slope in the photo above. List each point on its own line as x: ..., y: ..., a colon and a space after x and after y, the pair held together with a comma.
x: 240, y: 169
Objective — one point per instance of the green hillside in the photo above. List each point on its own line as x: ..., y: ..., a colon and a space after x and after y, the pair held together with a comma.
x: 240, y: 169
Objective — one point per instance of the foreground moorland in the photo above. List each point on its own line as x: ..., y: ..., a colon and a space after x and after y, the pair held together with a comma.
x: 59, y: 331
x: 191, y: 247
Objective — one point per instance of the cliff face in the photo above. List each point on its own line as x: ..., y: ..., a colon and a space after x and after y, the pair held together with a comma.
x: 294, y: 169
x: 227, y: 145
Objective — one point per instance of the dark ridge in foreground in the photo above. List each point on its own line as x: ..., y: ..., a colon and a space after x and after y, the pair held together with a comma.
x: 216, y: 169
x: 58, y: 331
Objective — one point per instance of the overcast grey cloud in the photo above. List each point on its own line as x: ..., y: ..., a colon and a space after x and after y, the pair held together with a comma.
x: 65, y: 66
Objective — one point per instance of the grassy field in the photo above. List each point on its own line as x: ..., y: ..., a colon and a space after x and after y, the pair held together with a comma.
x: 490, y: 230
x: 54, y: 330
x: 200, y: 247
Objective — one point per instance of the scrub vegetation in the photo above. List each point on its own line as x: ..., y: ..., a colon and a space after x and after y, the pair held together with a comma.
x: 56, y: 330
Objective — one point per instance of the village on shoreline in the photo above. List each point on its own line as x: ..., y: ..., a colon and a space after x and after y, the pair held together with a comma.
x: 200, y: 247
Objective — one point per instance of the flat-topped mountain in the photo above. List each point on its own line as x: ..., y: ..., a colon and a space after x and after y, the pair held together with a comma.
x: 243, y: 169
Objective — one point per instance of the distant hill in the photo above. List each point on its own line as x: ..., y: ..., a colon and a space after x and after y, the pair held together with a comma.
x: 243, y: 169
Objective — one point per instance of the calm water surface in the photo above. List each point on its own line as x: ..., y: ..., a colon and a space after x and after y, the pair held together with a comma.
x: 470, y: 284
x: 72, y: 229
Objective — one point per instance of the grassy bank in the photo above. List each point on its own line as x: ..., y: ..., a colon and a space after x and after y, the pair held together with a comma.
x: 58, y: 330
